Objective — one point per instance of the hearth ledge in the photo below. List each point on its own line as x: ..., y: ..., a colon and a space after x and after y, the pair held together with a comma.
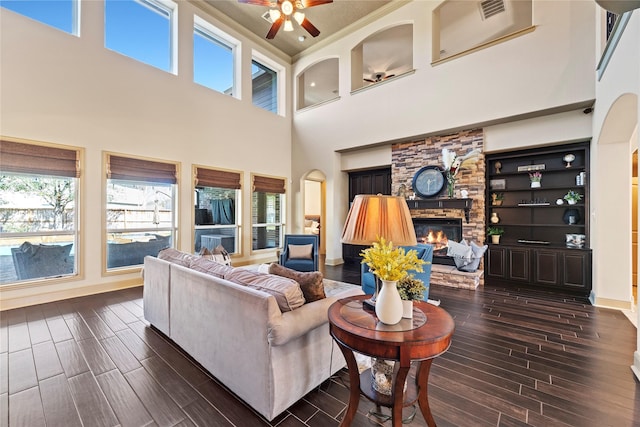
x: 448, y: 275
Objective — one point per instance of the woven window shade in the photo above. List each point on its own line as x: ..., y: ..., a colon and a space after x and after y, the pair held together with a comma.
x: 265, y: 184
x: 217, y: 178
x: 18, y: 157
x: 141, y: 170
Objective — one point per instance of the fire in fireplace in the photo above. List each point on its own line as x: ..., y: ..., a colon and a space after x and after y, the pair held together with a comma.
x: 437, y: 232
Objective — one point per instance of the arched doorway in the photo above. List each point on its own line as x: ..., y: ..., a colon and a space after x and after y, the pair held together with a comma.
x: 313, y: 205
x: 613, y: 263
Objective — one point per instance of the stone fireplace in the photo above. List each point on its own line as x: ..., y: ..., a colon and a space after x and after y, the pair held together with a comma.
x: 437, y: 232
x: 407, y: 158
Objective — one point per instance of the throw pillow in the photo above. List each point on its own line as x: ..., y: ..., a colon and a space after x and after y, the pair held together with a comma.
x: 300, y: 251
x: 287, y: 292
x: 311, y: 283
x: 176, y: 257
x: 208, y: 266
x: 459, y: 250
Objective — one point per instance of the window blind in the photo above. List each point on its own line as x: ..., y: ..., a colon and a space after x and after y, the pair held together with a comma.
x: 218, y: 178
x: 119, y: 167
x: 266, y: 184
x: 19, y: 157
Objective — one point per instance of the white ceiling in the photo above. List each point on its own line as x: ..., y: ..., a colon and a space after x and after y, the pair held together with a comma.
x: 328, y: 18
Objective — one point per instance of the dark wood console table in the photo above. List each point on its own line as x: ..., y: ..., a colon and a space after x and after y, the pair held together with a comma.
x: 421, y: 339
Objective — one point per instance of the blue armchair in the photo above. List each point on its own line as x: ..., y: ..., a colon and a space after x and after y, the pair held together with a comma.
x: 425, y: 252
x: 297, y: 257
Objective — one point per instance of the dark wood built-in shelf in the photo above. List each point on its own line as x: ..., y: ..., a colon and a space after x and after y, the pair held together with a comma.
x: 464, y: 204
x: 533, y: 250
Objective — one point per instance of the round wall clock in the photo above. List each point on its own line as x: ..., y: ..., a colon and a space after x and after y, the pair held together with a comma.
x: 428, y: 181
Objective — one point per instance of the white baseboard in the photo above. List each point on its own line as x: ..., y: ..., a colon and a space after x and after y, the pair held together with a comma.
x: 45, y: 297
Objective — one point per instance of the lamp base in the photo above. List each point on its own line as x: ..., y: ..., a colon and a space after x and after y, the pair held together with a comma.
x: 369, y: 304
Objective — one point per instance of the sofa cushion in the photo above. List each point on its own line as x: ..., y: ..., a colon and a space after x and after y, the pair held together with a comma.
x: 176, y: 257
x: 300, y: 251
x: 208, y: 266
x: 287, y: 292
x: 310, y: 282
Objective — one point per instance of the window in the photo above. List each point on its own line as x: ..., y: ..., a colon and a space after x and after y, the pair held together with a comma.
x: 217, y: 212
x: 462, y: 26
x: 264, y: 79
x: 141, y: 209
x: 267, y: 212
x: 213, y: 58
x: 60, y: 14
x: 38, y: 211
x: 318, y: 83
x: 143, y: 30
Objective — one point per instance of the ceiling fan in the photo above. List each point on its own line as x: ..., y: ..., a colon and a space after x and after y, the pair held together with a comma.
x: 378, y: 77
x: 283, y: 10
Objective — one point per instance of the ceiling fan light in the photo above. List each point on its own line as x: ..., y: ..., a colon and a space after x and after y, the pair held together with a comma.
x: 274, y: 14
x: 288, y: 26
x: 299, y: 17
x: 287, y: 7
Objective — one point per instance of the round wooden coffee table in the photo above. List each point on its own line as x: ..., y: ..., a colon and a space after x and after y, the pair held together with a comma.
x: 422, y: 338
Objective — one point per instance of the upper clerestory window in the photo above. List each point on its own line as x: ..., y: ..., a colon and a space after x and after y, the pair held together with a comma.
x: 214, y: 57
x: 60, y: 14
x: 143, y: 30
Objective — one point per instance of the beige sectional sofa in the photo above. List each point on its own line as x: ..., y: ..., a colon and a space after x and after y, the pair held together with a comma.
x: 268, y: 357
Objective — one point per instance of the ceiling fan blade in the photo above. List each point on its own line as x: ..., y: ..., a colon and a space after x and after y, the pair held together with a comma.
x: 311, y: 3
x: 267, y: 3
x: 274, y: 28
x: 369, y: 80
x: 389, y: 76
x: 311, y: 29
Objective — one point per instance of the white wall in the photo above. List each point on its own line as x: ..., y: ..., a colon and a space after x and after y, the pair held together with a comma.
x: 549, y: 68
x: 71, y: 90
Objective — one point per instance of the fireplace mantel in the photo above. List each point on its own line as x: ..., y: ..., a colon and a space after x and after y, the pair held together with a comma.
x: 464, y: 204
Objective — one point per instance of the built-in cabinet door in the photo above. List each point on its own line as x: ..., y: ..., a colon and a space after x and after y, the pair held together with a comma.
x: 577, y: 270
x: 547, y: 267
x: 519, y: 265
x: 496, y: 266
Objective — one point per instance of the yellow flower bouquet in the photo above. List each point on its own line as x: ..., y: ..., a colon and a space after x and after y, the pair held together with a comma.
x: 389, y: 263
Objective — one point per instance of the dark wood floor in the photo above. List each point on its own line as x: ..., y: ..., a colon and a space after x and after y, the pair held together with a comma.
x: 518, y: 358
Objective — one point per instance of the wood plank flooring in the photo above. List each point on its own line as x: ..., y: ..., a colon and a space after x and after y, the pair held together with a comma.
x: 518, y: 358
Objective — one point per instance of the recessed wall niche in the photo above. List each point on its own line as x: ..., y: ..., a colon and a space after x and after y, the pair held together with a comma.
x: 462, y: 26
x: 381, y: 56
x: 318, y: 83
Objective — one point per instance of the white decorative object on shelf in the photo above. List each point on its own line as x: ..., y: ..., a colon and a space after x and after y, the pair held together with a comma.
x: 494, y: 218
x: 568, y: 158
x: 388, y: 304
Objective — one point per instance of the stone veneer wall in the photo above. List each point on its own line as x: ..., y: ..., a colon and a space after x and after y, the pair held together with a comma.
x: 408, y: 157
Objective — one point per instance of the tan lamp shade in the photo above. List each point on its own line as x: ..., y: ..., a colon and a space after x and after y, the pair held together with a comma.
x: 374, y: 216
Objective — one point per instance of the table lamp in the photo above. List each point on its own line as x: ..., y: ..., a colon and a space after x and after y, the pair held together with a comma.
x: 373, y: 216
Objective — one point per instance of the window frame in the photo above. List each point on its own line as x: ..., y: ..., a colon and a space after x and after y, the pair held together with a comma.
x: 238, y: 209
x: 75, y: 18
x: 105, y: 230
x: 217, y: 36
x: 283, y: 212
x: 279, y: 89
x: 171, y: 9
x: 78, y: 218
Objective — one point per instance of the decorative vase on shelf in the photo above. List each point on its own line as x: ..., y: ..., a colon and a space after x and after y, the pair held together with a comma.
x: 494, y: 218
x: 407, y: 309
x: 451, y: 187
x: 388, y: 304
x: 535, y: 184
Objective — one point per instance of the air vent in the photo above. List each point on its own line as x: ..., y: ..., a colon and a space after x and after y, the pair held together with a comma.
x: 489, y: 8
x: 266, y: 17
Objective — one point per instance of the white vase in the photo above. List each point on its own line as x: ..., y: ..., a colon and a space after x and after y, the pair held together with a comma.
x: 388, y: 303
x: 571, y: 202
x: 407, y: 309
x: 535, y: 184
